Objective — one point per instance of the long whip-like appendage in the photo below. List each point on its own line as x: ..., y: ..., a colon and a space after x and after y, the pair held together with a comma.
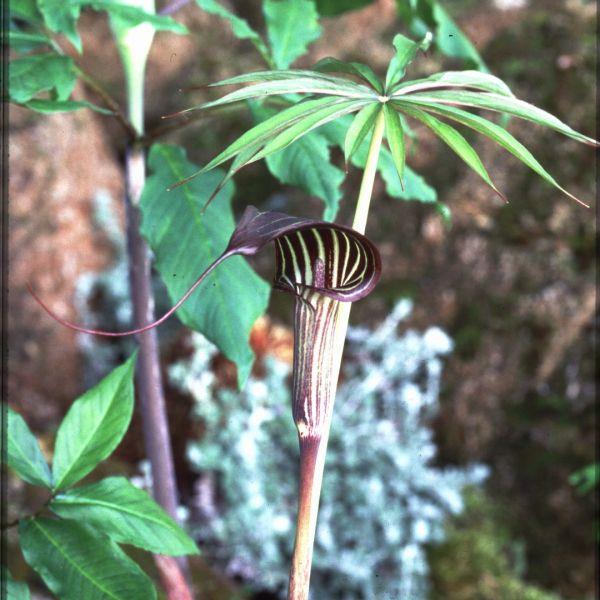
x: 152, y: 325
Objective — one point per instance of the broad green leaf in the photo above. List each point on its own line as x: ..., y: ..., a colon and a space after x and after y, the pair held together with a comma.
x: 333, y: 65
x: 306, y: 164
x: 428, y: 15
x: 94, y: 426
x: 239, y: 26
x: 131, y: 16
x: 24, y: 454
x: 456, y: 141
x: 24, y: 42
x: 54, y: 106
x: 126, y: 514
x: 186, y: 240
x: 16, y: 590
x: 501, y: 137
x: 291, y: 26
x: 450, y: 40
x: 467, y: 79
x: 395, y: 138
x: 303, y: 126
x: 503, y: 104
x: 61, y: 16
x: 361, y: 125
x: 406, y: 50
x: 76, y: 563
x: 26, y: 10
x: 330, y: 8
x: 30, y: 75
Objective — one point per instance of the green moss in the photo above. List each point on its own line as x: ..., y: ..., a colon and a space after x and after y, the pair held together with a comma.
x: 479, y: 560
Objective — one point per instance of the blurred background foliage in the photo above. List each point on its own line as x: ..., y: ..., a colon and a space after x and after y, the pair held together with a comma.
x: 511, y: 285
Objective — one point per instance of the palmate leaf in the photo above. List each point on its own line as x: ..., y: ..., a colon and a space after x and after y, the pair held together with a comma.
x: 291, y: 26
x: 126, y: 514
x: 76, y: 563
x: 94, y: 426
x: 185, y: 241
x: 24, y: 454
x: 456, y: 141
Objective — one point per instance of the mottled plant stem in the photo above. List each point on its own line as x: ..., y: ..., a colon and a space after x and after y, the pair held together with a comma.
x: 316, y: 374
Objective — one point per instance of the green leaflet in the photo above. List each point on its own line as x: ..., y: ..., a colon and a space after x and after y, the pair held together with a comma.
x: 26, y: 10
x: 53, y: 106
x: 297, y: 85
x: 395, y: 137
x: 24, y: 454
x: 469, y: 79
x: 333, y: 65
x: 306, y: 124
x: 24, y: 42
x: 361, y: 125
x: 94, y: 426
x: 30, y: 75
x: 76, y: 563
x: 428, y: 15
x: 415, y: 187
x: 291, y: 74
x: 186, y: 240
x: 126, y: 514
x: 495, y: 102
x: 259, y: 134
x: 239, y: 26
x: 291, y: 26
x: 501, y: 137
x: 456, y: 141
x: 61, y: 17
x: 406, y: 50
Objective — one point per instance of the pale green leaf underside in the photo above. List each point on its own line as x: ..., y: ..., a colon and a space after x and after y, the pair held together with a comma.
x: 364, y: 72
x: 16, y: 590
x: 24, y: 454
x: 94, y: 426
x: 466, y: 79
x: 76, y: 563
x: 185, y: 241
x: 291, y: 26
x: 126, y: 514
